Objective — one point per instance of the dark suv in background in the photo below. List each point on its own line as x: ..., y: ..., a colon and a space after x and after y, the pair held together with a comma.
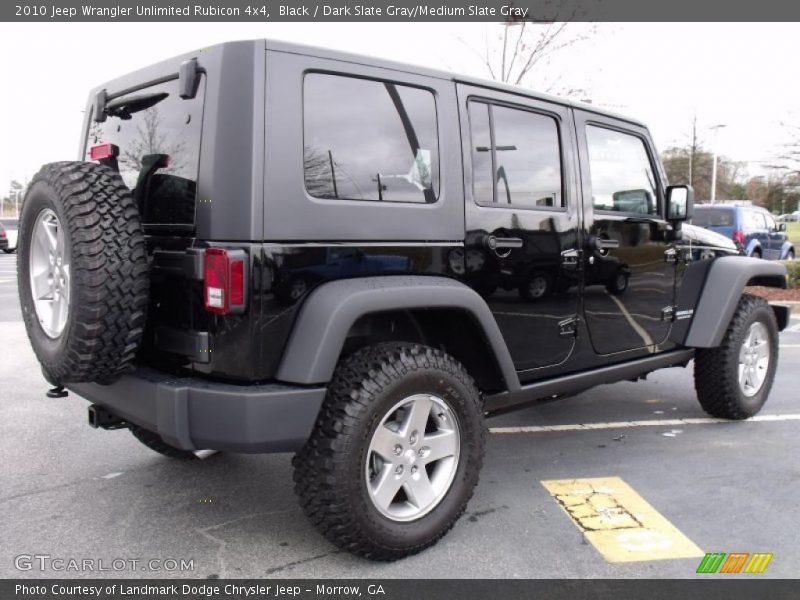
x: 752, y: 228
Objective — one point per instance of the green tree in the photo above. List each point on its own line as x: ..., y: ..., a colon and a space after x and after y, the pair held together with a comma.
x: 778, y: 191
x: 693, y: 164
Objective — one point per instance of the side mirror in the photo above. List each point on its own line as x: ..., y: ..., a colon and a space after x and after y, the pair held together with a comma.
x: 781, y: 226
x: 680, y: 202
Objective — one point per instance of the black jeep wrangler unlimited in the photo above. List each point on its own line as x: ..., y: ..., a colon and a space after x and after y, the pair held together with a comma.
x: 271, y: 248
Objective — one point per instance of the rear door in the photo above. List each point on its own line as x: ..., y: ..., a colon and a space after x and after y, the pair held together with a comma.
x: 756, y: 232
x: 776, y: 237
x: 158, y: 145
x: 522, y: 219
x: 629, y: 264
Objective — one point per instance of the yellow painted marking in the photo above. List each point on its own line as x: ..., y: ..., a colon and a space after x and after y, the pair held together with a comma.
x: 618, y: 522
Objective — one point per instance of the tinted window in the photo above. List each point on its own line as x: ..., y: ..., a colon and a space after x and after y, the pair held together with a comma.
x: 159, y: 151
x: 517, y: 160
x: 754, y: 220
x: 482, y: 169
x: 369, y: 140
x: 713, y: 217
x: 621, y: 175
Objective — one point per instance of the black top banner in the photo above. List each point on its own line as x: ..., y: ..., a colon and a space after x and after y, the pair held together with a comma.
x: 400, y: 10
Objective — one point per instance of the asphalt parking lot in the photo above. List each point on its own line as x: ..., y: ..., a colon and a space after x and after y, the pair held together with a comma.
x: 69, y: 491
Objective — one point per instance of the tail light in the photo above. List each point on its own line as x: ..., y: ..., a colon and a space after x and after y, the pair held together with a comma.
x: 738, y: 237
x: 225, y: 281
x: 102, y: 152
x: 2, y: 232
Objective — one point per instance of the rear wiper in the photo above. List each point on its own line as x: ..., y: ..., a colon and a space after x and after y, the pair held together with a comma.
x: 126, y: 106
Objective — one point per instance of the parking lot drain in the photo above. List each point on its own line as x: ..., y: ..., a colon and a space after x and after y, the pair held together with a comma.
x: 618, y: 522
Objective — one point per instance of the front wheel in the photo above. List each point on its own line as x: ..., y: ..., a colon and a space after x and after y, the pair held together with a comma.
x: 733, y: 380
x: 538, y: 286
x: 396, y: 451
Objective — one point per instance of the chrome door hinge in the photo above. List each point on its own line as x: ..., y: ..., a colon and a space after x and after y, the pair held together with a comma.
x: 571, y: 259
x: 668, y: 313
x: 568, y: 327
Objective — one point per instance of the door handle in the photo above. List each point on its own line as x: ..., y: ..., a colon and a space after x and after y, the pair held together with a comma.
x: 493, y: 242
x: 604, y: 243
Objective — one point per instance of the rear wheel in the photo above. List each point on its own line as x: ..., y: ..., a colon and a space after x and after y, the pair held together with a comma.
x: 790, y: 255
x: 734, y: 379
x: 396, y: 451
x: 82, y: 272
x: 756, y: 253
x: 619, y: 284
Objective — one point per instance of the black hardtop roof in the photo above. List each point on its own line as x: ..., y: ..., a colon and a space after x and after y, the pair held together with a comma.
x: 132, y: 80
x: 294, y: 48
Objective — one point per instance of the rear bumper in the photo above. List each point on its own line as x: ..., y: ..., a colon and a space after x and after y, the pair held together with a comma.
x: 192, y: 414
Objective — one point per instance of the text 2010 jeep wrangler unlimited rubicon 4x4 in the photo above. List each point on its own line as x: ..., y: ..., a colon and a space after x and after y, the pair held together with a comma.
x: 272, y: 248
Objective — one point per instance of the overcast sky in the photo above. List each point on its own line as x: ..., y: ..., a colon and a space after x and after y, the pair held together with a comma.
x: 742, y: 75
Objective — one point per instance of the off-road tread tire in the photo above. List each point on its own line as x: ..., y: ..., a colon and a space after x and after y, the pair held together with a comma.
x: 154, y: 442
x: 358, y: 380
x: 716, y: 369
x: 109, y: 273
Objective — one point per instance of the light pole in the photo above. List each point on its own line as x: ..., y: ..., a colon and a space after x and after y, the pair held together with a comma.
x: 716, y: 129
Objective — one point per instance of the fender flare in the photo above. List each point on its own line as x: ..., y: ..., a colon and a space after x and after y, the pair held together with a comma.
x: 725, y: 281
x: 331, y: 309
x: 752, y: 247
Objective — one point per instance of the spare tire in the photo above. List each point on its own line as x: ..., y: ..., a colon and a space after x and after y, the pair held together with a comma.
x: 82, y: 272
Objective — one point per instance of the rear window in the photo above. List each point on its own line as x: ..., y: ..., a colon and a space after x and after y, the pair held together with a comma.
x: 159, y: 152
x: 713, y: 217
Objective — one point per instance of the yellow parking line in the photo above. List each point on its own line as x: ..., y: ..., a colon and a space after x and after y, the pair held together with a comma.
x: 618, y: 522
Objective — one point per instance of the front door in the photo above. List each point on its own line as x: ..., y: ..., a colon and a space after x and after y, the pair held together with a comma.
x: 522, y: 221
x: 629, y: 261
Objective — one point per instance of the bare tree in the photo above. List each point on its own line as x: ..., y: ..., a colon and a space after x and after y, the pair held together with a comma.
x: 151, y: 139
x: 789, y: 156
x: 320, y: 173
x: 519, y: 48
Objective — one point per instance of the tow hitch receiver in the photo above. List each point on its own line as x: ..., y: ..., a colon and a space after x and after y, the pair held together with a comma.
x: 99, y: 417
x: 57, y: 392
